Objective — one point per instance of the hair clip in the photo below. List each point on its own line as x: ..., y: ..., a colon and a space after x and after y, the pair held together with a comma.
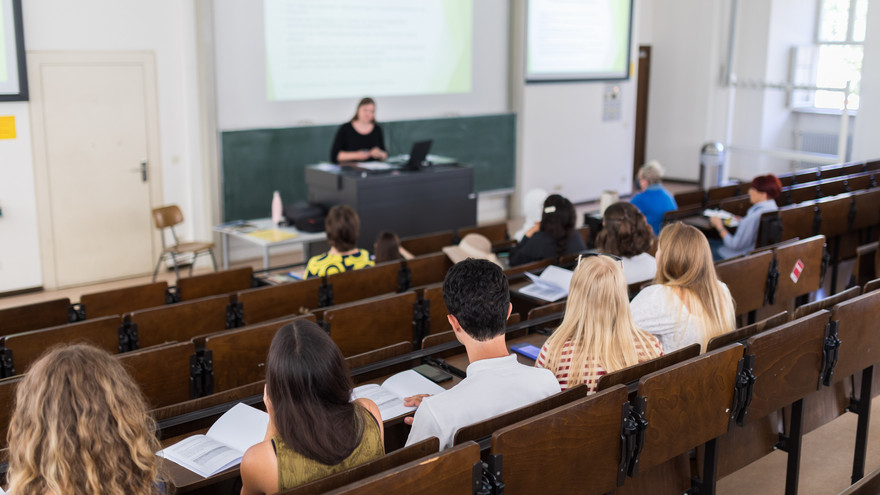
x: 550, y: 209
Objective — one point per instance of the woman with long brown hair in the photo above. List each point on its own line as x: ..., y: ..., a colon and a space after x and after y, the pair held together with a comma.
x: 687, y: 304
x: 359, y: 139
x: 626, y: 233
x: 597, y: 334
x: 80, y: 425
x: 314, y: 428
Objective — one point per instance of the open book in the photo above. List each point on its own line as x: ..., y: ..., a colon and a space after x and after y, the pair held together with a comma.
x: 389, y: 396
x: 729, y: 219
x: 225, y: 443
x: 551, y: 286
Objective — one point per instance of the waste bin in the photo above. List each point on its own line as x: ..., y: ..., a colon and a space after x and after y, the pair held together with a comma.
x: 713, y: 165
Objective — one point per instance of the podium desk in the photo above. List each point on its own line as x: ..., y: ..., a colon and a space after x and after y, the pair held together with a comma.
x: 440, y: 197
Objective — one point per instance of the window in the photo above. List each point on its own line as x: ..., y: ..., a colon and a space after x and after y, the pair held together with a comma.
x: 840, y: 35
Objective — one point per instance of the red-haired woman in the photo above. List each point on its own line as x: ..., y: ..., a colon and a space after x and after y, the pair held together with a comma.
x: 762, y: 194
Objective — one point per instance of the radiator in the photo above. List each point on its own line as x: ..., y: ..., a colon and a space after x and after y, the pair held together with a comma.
x: 819, y: 142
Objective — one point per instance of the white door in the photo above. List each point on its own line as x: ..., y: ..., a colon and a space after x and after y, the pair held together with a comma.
x: 96, y: 153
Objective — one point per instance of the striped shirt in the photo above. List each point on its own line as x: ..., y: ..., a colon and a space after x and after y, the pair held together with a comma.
x: 591, y: 376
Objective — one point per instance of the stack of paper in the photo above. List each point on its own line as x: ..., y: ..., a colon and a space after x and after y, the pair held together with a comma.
x: 551, y: 286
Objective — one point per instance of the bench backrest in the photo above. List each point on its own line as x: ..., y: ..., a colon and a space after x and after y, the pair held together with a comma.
x: 267, y: 303
x: 746, y: 278
x: 212, y: 284
x: 827, y: 303
x: 373, y: 323
x: 7, y: 404
x: 119, y: 301
x: 495, y: 232
x: 161, y: 372
x: 867, y: 205
x: 690, y: 198
x: 34, y: 316
x: 548, y: 309
x: 354, y: 285
x: 428, y: 269
x: 447, y: 473
x: 807, y: 251
x: 635, y: 372
x: 437, y: 321
x: 428, y: 243
x: 180, y: 322
x: 860, y: 342
x: 741, y: 334
x: 571, y: 449
x: 28, y: 346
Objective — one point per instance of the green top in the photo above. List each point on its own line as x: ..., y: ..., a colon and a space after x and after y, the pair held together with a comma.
x: 295, y: 469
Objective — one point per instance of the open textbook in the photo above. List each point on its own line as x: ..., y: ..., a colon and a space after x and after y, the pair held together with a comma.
x: 225, y: 443
x: 389, y: 396
x: 551, y: 286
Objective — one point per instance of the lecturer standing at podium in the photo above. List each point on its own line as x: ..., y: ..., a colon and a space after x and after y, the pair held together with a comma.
x: 360, y: 139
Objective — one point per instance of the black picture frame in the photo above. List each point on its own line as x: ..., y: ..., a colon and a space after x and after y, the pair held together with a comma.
x: 18, y: 26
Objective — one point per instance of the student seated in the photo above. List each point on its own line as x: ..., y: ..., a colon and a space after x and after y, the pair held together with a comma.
x: 315, y: 429
x: 597, y: 334
x: 387, y: 248
x: 687, y: 304
x: 654, y: 200
x: 626, y: 233
x: 342, y: 226
x: 763, y: 192
x: 554, y: 236
x: 80, y: 425
x: 478, y: 301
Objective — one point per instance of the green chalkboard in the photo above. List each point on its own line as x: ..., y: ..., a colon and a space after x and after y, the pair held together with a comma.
x: 260, y: 161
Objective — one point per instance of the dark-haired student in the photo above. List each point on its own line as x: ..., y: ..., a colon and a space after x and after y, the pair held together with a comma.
x: 553, y: 236
x: 342, y: 226
x: 626, y: 233
x: 763, y: 192
x: 387, y: 248
x: 314, y: 428
x: 478, y: 301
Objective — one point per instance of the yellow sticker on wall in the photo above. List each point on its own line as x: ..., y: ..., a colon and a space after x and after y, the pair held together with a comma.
x: 7, y: 127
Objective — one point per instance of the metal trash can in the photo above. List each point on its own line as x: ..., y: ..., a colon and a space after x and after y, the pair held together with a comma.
x: 713, y: 165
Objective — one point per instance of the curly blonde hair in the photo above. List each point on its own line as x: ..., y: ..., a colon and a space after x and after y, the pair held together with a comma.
x: 80, y: 425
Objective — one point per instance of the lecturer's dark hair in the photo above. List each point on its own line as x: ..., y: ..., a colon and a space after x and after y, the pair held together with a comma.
x: 557, y: 220
x: 309, y: 385
x: 364, y: 101
x: 476, y: 293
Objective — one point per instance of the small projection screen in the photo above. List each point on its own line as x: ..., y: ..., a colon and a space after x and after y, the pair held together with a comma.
x: 578, y: 40
x: 13, y: 74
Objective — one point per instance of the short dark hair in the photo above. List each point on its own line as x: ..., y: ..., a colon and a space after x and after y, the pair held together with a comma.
x: 626, y: 232
x: 476, y: 293
x: 557, y: 220
x: 768, y: 184
x: 308, y: 382
x: 342, y: 226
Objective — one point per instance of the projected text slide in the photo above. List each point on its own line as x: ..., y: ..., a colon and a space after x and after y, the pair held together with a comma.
x: 351, y: 48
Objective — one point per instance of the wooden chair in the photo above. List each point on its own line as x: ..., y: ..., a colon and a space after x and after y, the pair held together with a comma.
x: 278, y: 301
x: 871, y: 286
x: 546, y: 310
x: 386, y: 462
x: 799, y: 220
x: 738, y: 205
x: 428, y: 269
x: 214, y: 284
x: 119, y: 301
x: 437, y: 321
x: 28, y: 346
x: 7, y: 403
x: 741, y: 334
x: 632, y: 374
x: 787, y: 363
x: 481, y: 432
x: 807, y: 251
x: 178, y: 322
x: 239, y: 355
x: 428, y: 243
x: 837, y: 215
x: 827, y: 303
x: 535, y: 266
x: 33, y: 316
x: 867, y: 206
x: 690, y: 198
x: 575, y: 448
x: 451, y: 472
x: 747, y: 279
x: 372, y: 323
x: 801, y: 193
x: 496, y: 232
x: 162, y: 373
x: 354, y: 285
x: 722, y: 192
x: 376, y: 355
x: 167, y: 217
x: 866, y: 265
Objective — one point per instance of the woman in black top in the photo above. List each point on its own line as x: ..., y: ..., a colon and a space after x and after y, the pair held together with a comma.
x: 552, y: 237
x: 360, y: 139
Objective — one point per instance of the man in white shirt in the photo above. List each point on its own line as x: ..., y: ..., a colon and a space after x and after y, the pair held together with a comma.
x: 478, y: 301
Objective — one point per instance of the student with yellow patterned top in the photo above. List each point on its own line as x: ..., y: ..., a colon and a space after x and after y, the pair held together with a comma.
x: 342, y: 226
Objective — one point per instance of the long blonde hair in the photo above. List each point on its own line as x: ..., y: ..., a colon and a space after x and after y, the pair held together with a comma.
x: 684, y: 263
x: 597, y: 325
x: 80, y: 425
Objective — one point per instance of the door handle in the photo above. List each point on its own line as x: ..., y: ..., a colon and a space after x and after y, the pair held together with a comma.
x: 142, y: 170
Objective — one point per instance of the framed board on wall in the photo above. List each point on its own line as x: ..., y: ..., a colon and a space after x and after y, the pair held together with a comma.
x: 13, y: 69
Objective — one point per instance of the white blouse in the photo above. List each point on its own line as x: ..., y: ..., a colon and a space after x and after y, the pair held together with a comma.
x: 658, y: 310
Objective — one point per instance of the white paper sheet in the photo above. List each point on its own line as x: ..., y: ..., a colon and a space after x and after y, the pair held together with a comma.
x: 389, y: 397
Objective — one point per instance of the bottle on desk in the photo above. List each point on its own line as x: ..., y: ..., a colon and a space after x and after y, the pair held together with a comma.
x: 277, y: 209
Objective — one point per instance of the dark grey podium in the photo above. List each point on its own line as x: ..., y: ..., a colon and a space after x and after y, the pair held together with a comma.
x: 407, y: 203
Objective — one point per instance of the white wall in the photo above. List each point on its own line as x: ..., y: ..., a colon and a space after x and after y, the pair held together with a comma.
x: 19, y: 244
x: 164, y: 27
